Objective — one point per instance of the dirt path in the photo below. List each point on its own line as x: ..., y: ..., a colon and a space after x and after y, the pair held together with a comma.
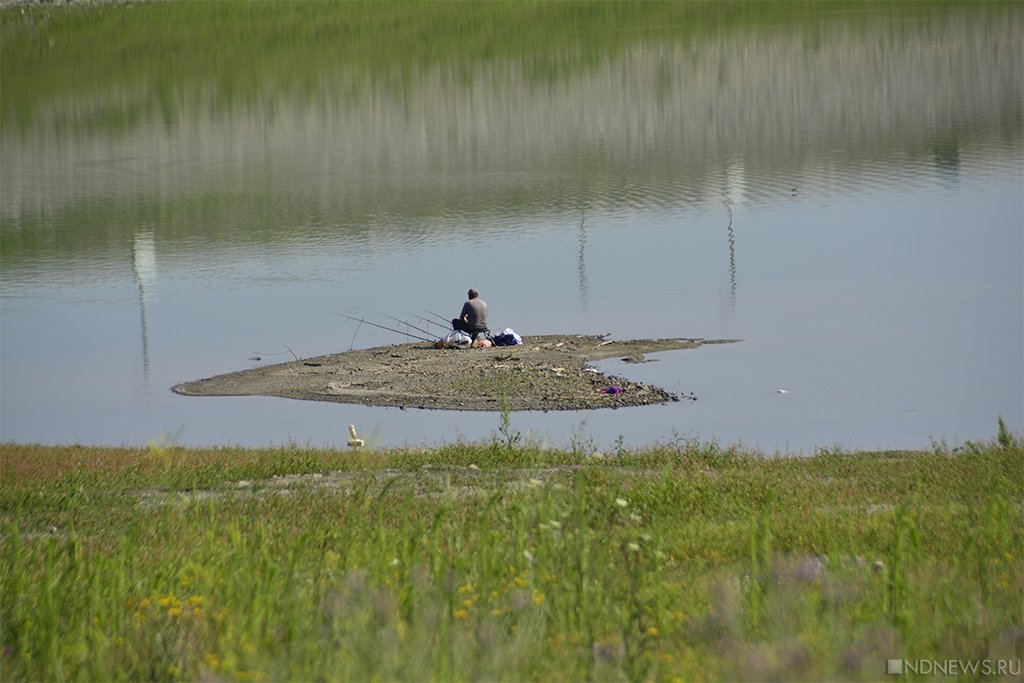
x: 544, y: 373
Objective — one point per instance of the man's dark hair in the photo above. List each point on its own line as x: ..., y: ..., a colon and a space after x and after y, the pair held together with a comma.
x: 473, y: 294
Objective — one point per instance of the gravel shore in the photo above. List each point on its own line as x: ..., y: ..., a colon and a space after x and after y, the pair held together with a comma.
x: 544, y: 373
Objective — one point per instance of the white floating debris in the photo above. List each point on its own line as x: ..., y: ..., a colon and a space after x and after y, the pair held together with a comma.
x: 781, y: 391
x: 354, y: 441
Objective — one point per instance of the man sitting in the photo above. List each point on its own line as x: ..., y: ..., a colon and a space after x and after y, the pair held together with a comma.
x: 473, y: 318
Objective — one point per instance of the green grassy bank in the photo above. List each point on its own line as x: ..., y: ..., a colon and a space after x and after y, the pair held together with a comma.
x: 497, y: 561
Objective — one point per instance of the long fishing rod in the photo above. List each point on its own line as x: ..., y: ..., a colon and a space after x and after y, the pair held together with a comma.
x: 409, y: 324
x: 428, y: 321
x: 389, y: 329
x: 440, y: 317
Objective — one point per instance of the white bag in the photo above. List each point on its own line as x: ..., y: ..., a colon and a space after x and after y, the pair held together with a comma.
x: 458, y: 340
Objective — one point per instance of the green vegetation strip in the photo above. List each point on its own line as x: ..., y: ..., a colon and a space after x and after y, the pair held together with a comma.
x: 501, y: 561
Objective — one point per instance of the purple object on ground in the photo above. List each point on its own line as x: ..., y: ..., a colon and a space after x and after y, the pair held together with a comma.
x: 612, y: 390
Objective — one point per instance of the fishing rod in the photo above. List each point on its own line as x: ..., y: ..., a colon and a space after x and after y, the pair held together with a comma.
x: 428, y: 321
x: 389, y: 329
x: 440, y: 317
x: 409, y: 324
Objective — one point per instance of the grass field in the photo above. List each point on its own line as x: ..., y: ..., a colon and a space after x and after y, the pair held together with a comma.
x: 497, y: 561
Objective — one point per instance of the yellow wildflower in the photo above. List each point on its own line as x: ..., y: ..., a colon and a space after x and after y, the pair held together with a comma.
x: 467, y: 603
x: 538, y: 598
x: 521, y: 582
x: 653, y: 632
x: 211, y: 660
x: 174, y: 612
x: 461, y: 614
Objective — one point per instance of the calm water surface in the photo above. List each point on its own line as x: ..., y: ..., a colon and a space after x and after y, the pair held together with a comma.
x: 841, y: 191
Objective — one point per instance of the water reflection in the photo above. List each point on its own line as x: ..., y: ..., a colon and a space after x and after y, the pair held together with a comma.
x: 581, y: 264
x: 947, y: 164
x: 735, y: 181
x: 144, y: 264
x: 854, y: 109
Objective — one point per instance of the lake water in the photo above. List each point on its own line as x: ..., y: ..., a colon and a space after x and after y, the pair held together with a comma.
x: 186, y: 187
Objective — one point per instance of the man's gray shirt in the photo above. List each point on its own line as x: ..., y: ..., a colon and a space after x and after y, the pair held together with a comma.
x: 476, y: 309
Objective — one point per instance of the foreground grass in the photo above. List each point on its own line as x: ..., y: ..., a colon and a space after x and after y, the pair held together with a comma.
x: 501, y: 562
